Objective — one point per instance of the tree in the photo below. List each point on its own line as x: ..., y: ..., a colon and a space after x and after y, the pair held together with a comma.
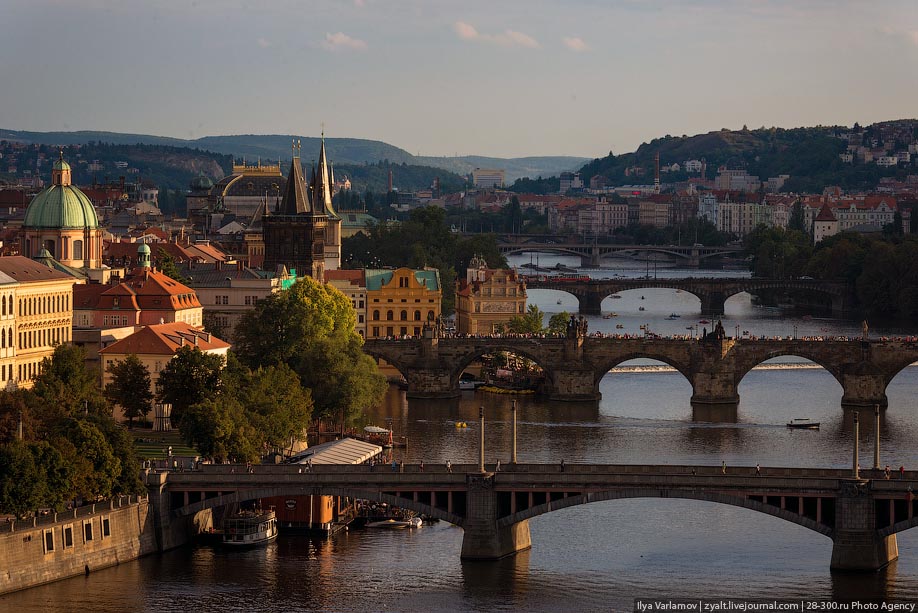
x: 66, y: 388
x: 96, y: 468
x: 558, y: 322
x: 190, y: 377
x: 23, y: 479
x: 168, y: 267
x: 275, y: 403
x: 797, y: 220
x: 311, y: 328
x: 130, y: 388
x: 530, y: 323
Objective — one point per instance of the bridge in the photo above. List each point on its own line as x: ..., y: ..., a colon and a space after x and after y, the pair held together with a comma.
x: 713, y: 293
x: 861, y: 516
x: 591, y: 254
x: 574, y: 366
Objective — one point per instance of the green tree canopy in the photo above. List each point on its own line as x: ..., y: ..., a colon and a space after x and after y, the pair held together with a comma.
x: 311, y: 329
x: 190, y: 377
x: 530, y: 323
x: 130, y: 388
x: 66, y: 388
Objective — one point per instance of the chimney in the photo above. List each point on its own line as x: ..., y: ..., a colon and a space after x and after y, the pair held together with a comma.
x: 195, y: 340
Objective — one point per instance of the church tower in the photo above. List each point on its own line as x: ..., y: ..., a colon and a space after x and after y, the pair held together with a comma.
x: 294, y: 232
x: 321, y: 187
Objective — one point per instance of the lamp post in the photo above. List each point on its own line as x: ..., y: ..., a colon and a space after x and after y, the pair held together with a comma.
x: 854, y: 463
x: 513, y: 449
x: 876, y: 434
x: 481, y: 436
x: 736, y: 336
x: 795, y: 331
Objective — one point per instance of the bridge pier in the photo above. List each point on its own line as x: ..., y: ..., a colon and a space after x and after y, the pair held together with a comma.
x: 591, y: 303
x: 172, y: 532
x: 863, y: 391
x: 482, y: 538
x: 431, y: 383
x: 714, y: 397
x: 573, y: 385
x: 712, y: 304
x: 856, y: 545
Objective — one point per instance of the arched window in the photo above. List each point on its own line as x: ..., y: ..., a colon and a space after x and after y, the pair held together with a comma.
x: 417, y: 316
x: 404, y: 315
x: 376, y: 315
x: 389, y: 316
x: 78, y: 250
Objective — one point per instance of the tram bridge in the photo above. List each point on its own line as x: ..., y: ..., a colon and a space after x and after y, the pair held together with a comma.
x: 861, y: 516
x: 591, y: 254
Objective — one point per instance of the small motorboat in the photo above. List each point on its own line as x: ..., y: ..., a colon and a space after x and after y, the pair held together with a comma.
x: 615, y: 297
x: 619, y: 326
x: 470, y: 384
x: 703, y: 321
x: 641, y: 309
x: 397, y: 524
x: 803, y: 423
x: 461, y: 424
x: 610, y: 315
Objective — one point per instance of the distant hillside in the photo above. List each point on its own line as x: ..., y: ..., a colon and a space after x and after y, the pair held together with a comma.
x: 809, y: 155
x: 545, y: 166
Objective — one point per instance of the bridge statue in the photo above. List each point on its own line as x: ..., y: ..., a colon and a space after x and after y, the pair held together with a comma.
x: 577, y: 327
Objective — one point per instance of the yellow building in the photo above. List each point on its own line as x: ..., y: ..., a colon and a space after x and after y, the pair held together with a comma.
x: 36, y: 313
x: 400, y: 301
x: 488, y: 298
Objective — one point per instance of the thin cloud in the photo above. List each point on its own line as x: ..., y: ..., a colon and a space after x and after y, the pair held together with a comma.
x: 507, y: 38
x: 575, y: 43
x: 263, y: 43
x: 340, y: 40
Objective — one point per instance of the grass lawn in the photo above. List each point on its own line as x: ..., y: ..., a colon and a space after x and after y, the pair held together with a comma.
x: 155, y: 445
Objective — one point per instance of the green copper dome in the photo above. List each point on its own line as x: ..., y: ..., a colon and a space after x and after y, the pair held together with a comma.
x: 61, y: 165
x: 61, y: 207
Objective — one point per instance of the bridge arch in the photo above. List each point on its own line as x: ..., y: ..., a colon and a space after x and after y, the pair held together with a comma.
x: 462, y: 362
x: 620, y: 494
x: 744, y: 366
x: 317, y: 490
x: 401, y: 366
x: 609, y: 364
x: 892, y: 370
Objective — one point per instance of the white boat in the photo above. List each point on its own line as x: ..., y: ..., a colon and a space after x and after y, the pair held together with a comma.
x: 803, y: 423
x: 470, y: 384
x: 250, y: 528
x: 397, y: 524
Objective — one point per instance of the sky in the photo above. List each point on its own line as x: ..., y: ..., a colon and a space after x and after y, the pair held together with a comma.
x: 506, y: 78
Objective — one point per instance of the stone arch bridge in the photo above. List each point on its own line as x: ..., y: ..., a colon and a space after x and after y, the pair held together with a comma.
x: 712, y: 292
x: 861, y: 516
x: 592, y: 254
x: 574, y: 366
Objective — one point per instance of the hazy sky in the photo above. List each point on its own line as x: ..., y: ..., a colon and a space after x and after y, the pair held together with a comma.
x: 440, y: 77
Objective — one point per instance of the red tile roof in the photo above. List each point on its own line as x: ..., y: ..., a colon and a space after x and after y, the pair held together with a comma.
x: 165, y: 339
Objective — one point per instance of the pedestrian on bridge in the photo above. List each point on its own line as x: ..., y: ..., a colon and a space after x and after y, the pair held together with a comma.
x: 723, y: 467
x: 497, y: 467
x: 902, y: 472
x: 421, y: 467
x: 758, y: 470
x: 562, y: 464
x: 449, y: 466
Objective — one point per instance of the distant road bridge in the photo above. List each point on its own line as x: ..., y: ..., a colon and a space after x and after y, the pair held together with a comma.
x: 713, y: 292
x: 861, y: 516
x: 591, y: 254
x: 574, y: 366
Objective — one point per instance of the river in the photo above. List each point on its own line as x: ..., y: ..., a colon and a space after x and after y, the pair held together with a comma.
x: 596, y: 557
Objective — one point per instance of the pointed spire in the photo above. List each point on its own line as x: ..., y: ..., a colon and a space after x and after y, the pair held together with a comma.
x: 321, y: 195
x: 295, y: 200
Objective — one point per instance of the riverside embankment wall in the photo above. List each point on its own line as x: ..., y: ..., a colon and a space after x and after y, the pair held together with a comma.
x: 61, y: 545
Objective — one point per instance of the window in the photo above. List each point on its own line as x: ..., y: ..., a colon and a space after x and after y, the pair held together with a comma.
x: 106, y: 527
x: 376, y: 315
x: 417, y: 316
x: 360, y: 304
x: 375, y: 331
x: 68, y: 536
x: 390, y: 331
x: 403, y: 331
x: 78, y: 250
x: 389, y: 316
x: 403, y: 316
x: 87, y: 531
x: 49, y: 540
x: 360, y: 319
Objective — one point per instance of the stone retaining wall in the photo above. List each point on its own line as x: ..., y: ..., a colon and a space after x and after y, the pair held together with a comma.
x: 61, y: 545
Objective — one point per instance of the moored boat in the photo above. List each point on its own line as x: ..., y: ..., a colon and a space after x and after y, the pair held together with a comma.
x: 397, y: 524
x: 803, y: 423
x: 250, y: 528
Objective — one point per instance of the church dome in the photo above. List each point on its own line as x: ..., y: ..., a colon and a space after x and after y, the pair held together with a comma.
x: 201, y: 184
x: 61, y: 207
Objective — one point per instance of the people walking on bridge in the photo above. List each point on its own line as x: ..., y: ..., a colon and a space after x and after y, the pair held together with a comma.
x: 421, y: 467
x: 309, y: 464
x: 497, y: 467
x: 758, y: 470
x: 902, y: 472
x: 723, y: 467
x: 562, y: 464
x: 887, y: 472
x: 394, y: 465
x: 449, y: 466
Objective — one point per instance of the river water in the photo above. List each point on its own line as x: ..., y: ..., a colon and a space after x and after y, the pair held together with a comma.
x: 596, y: 557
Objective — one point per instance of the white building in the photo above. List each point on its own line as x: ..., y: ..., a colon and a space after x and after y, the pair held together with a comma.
x: 488, y: 177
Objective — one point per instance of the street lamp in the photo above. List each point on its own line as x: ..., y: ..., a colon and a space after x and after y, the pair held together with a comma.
x: 795, y: 331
